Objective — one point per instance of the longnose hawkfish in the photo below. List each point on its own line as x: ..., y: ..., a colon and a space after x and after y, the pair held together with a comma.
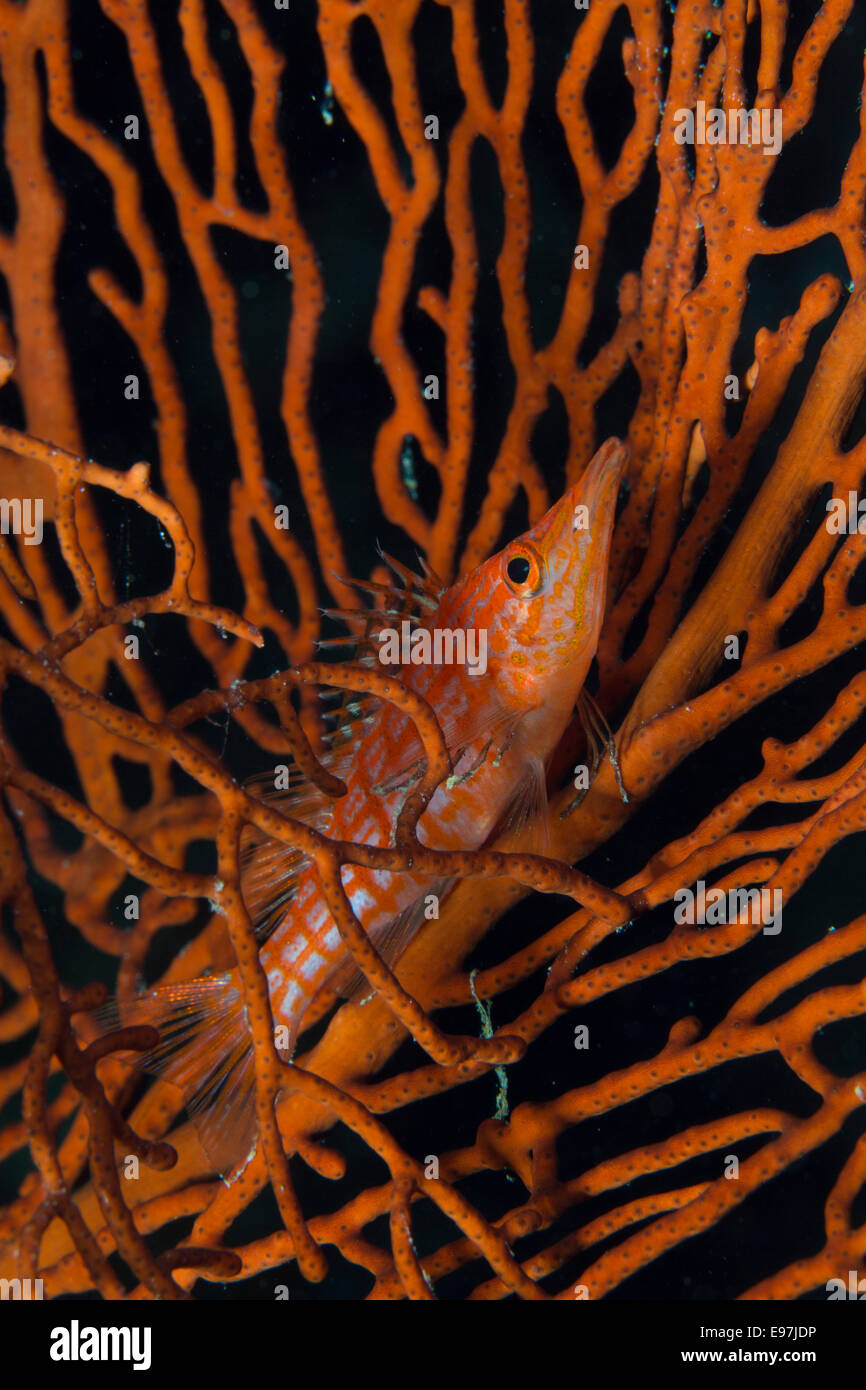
x: 528, y: 622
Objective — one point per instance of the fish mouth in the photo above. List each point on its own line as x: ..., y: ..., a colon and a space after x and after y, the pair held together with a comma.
x: 597, y: 490
x: 607, y: 463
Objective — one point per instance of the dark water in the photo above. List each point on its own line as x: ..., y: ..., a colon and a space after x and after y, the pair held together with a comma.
x: 350, y: 397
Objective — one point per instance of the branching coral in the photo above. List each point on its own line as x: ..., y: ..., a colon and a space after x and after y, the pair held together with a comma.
x: 730, y: 660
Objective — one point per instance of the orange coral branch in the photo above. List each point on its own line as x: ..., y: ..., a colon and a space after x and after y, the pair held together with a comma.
x: 499, y: 353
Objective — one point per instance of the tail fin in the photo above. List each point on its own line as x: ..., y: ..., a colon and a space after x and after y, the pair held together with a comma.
x: 205, y: 1051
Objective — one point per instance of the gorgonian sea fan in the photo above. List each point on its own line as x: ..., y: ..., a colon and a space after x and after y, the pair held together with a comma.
x: 400, y: 269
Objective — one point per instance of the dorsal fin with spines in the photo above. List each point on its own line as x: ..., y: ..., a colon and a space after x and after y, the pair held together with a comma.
x: 415, y: 598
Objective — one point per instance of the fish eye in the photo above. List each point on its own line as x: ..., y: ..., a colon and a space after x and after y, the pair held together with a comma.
x: 524, y: 570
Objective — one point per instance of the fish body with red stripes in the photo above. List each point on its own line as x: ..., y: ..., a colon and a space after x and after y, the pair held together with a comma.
x: 514, y: 640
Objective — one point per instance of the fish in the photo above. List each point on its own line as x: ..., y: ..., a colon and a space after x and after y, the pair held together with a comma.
x: 502, y: 656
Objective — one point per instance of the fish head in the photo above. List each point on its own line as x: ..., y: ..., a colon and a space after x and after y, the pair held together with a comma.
x: 545, y: 592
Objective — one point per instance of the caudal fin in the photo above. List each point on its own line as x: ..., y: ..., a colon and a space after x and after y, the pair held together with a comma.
x: 205, y: 1051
